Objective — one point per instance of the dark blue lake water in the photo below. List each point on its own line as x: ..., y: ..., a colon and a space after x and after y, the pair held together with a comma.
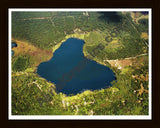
x: 72, y: 73
x: 13, y: 45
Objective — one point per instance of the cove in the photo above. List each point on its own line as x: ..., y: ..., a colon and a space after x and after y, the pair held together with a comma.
x: 72, y: 73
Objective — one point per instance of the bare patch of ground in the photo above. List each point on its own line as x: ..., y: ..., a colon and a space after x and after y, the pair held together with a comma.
x: 137, y: 16
x: 144, y: 35
x: 122, y: 63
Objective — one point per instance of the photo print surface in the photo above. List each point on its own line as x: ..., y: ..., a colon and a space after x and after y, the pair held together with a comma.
x: 80, y: 64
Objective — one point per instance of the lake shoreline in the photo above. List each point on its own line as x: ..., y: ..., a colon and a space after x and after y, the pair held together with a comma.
x: 66, y: 56
x: 76, y: 36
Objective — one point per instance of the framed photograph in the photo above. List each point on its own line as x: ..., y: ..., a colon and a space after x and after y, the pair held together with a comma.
x: 76, y: 64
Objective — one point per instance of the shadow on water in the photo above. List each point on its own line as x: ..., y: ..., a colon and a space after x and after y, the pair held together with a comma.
x: 113, y: 17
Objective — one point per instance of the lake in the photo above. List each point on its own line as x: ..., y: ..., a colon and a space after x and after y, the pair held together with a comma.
x: 72, y: 73
x: 13, y: 45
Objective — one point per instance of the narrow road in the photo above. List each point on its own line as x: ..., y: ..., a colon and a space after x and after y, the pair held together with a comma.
x: 37, y: 18
x: 137, y: 30
x: 129, y: 57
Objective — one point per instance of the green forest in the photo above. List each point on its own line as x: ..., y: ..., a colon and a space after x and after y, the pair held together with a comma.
x: 107, y: 36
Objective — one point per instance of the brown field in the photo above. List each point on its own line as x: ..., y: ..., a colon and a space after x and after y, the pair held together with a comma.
x: 37, y: 54
x: 144, y: 35
x: 122, y: 63
x: 137, y: 16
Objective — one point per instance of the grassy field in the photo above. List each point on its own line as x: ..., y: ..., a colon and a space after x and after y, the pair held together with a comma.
x: 37, y: 55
